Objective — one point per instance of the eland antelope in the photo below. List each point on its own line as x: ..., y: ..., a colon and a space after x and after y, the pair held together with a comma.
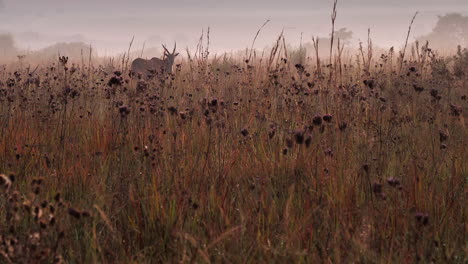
x: 155, y: 64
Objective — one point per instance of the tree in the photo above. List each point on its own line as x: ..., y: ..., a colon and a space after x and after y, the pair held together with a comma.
x: 7, y: 47
x: 451, y: 30
x: 74, y: 50
x: 344, y: 35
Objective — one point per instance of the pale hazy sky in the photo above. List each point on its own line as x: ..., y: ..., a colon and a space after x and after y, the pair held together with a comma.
x: 110, y: 24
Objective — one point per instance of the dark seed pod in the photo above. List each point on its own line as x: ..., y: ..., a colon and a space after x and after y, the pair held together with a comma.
x: 86, y: 214
x: 271, y: 133
x: 244, y: 132
x: 377, y: 188
x: 365, y: 167
x: 443, y: 136
x: 418, y: 88
x: 317, y: 120
x: 327, y: 118
x: 52, y: 221
x: 369, y: 83
x: 75, y: 213
x: 422, y: 218
x: 308, y: 141
x: 43, y: 225
x: 299, y: 136
x: 393, y: 182
x: 12, y: 177
x: 343, y: 126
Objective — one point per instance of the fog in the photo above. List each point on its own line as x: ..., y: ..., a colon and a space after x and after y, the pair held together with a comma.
x: 109, y: 25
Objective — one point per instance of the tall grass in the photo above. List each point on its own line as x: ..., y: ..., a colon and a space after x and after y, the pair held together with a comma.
x: 240, y: 160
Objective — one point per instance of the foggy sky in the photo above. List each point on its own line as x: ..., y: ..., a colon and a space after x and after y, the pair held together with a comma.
x: 110, y: 24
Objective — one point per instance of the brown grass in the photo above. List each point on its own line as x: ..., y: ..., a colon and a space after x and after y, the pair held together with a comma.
x: 232, y: 161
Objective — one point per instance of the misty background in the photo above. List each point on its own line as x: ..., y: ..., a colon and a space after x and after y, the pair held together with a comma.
x: 109, y: 25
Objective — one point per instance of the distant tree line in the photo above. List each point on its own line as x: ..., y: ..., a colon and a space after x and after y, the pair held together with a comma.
x: 450, y: 31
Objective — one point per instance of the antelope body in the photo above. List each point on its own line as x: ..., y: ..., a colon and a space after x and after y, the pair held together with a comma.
x: 155, y: 64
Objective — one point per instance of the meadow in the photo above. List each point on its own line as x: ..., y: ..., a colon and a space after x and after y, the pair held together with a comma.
x: 262, y: 158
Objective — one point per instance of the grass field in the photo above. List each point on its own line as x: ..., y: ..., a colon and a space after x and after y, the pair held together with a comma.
x: 229, y: 160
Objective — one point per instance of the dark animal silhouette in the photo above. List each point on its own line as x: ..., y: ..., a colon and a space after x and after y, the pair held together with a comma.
x: 155, y: 64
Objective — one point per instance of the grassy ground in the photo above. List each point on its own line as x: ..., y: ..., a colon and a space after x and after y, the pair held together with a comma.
x: 237, y: 162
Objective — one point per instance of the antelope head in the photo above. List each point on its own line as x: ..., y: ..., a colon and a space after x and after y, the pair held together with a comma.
x: 169, y: 57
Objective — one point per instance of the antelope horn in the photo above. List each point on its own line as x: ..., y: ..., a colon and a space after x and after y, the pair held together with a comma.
x: 175, y: 45
x: 165, y: 49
